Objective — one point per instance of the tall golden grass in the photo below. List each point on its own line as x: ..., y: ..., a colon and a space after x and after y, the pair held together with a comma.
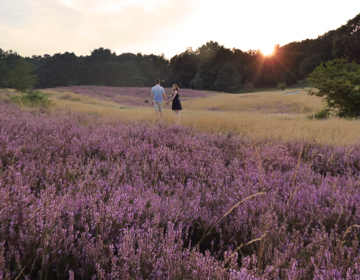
x: 261, y: 102
x: 264, y: 115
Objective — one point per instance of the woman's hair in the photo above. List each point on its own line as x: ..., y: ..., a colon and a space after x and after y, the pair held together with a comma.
x: 176, y: 87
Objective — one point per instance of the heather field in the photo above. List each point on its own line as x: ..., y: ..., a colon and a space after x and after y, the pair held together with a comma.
x: 103, y: 192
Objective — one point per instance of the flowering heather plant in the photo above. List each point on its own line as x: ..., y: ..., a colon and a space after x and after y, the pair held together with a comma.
x: 80, y: 199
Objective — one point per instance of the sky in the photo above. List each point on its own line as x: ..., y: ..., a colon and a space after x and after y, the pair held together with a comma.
x: 169, y: 27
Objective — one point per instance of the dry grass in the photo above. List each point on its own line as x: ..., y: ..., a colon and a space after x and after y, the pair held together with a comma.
x: 263, y: 115
x: 261, y: 102
x: 106, y: 109
x: 274, y: 126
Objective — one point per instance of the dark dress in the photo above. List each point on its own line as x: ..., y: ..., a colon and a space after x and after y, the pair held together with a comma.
x: 176, y: 104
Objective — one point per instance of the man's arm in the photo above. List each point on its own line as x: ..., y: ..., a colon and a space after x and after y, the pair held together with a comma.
x: 152, y: 98
x: 164, y: 95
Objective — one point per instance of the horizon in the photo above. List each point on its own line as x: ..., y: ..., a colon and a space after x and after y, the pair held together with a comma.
x: 148, y: 27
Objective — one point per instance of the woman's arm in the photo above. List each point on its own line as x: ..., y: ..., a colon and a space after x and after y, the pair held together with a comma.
x: 175, y: 93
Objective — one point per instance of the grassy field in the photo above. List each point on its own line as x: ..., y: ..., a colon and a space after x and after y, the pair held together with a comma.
x: 261, y: 115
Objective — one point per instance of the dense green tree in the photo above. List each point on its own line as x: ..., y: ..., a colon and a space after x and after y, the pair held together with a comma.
x: 183, y: 67
x: 197, y: 82
x: 253, y: 61
x: 338, y: 81
x: 58, y: 70
x: 315, y: 52
x: 11, y: 58
x: 131, y: 75
x: 21, y: 76
x: 228, y: 79
x: 291, y: 56
x: 207, y: 71
x: 308, y: 64
x: 101, y: 68
x: 157, y: 68
x: 346, y: 43
x: 212, y: 59
x: 3, y: 73
x: 4, y: 70
x: 238, y: 60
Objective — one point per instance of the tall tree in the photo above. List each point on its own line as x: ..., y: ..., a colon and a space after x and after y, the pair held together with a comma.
x: 228, y: 79
x: 212, y: 58
x: 347, y: 40
x: 21, y: 76
x: 183, y: 67
x: 4, y: 70
x: 58, y: 70
x: 159, y: 68
x: 101, y: 68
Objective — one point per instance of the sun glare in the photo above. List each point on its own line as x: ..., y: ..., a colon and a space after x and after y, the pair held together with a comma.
x: 67, y: 2
x: 268, y: 51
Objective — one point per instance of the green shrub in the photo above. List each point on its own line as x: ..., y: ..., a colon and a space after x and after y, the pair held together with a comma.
x: 320, y: 115
x: 32, y: 99
x: 69, y: 96
x: 282, y: 85
x: 248, y: 87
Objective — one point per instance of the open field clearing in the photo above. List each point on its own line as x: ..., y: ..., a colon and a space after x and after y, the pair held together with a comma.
x: 89, y: 196
x: 263, y: 115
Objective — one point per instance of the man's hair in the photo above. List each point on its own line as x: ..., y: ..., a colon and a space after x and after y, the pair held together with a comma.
x: 157, y: 81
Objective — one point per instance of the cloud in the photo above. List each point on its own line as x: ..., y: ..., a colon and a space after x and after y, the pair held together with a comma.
x: 37, y: 25
x: 133, y: 22
x: 156, y: 26
x: 79, y: 25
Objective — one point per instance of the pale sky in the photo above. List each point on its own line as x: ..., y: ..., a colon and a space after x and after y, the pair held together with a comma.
x: 38, y: 27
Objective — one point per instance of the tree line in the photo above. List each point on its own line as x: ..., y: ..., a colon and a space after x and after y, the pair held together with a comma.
x: 209, y: 67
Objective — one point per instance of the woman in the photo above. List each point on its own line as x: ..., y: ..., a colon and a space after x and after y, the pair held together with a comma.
x: 176, y: 104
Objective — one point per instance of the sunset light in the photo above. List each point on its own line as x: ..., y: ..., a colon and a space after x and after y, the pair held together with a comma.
x: 268, y: 51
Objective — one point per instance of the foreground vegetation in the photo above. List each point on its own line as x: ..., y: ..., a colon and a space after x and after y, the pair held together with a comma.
x: 246, y: 188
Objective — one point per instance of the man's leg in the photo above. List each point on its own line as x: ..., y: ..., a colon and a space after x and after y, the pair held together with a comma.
x: 156, y: 106
x: 161, y: 110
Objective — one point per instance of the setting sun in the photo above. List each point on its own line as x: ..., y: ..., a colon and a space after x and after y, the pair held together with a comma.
x: 268, y: 51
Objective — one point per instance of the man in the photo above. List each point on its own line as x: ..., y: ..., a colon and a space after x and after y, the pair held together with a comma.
x: 157, y: 93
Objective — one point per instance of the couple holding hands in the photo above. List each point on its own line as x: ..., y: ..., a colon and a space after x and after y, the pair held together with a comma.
x: 157, y: 94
